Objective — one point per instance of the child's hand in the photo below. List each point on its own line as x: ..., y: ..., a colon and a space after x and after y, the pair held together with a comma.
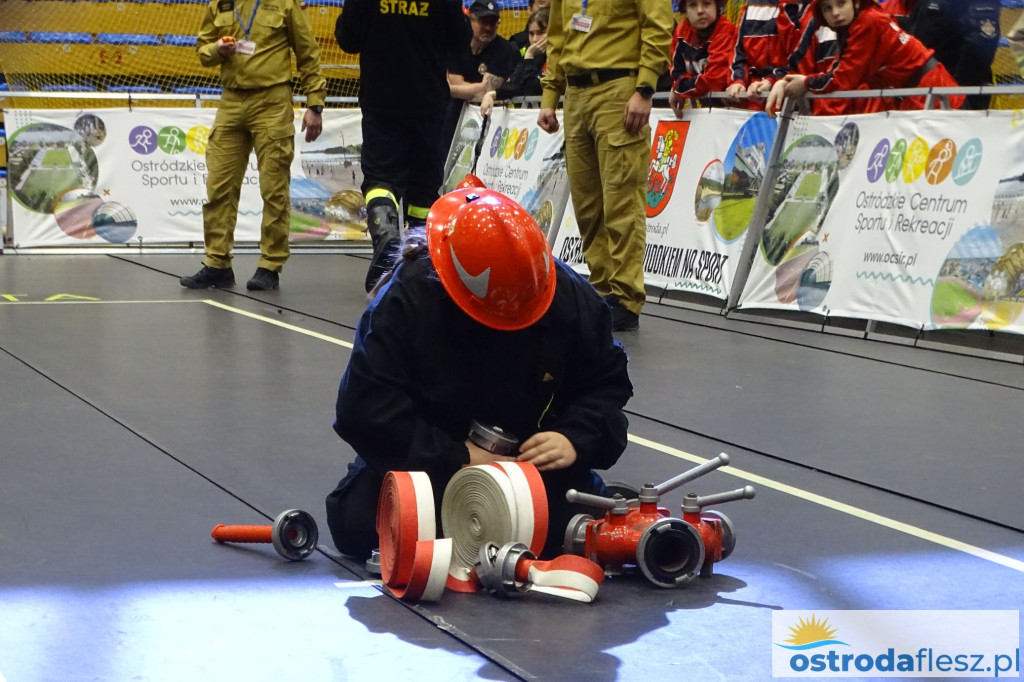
x: 758, y: 88
x: 736, y: 90
x: 547, y: 450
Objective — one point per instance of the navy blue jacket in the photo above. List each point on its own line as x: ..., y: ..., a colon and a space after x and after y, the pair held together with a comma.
x: 421, y: 370
x: 963, y: 33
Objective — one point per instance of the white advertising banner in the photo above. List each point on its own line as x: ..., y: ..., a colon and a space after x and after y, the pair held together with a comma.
x: 704, y: 175
x: 117, y: 176
x: 911, y: 218
x: 515, y: 158
x: 3, y: 211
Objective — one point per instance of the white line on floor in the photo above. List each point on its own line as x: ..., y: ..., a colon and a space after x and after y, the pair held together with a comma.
x: 278, y: 323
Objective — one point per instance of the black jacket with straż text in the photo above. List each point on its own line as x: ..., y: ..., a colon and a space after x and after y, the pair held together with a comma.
x: 404, y: 47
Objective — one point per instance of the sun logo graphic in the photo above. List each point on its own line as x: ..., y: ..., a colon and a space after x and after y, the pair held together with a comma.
x: 811, y: 634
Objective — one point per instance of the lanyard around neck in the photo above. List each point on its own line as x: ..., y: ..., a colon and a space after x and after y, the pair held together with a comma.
x: 247, y: 27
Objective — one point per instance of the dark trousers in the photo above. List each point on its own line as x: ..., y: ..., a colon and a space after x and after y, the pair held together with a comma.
x: 352, y: 507
x: 400, y: 154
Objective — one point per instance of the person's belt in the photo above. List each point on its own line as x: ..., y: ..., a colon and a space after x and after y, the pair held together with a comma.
x: 597, y: 76
x: 246, y: 91
x: 915, y: 80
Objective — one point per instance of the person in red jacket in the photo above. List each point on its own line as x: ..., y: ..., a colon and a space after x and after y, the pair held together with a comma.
x: 816, y: 53
x: 768, y: 32
x: 874, y: 51
x: 701, y: 52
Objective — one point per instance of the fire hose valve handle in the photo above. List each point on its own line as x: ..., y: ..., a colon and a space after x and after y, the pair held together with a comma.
x: 692, y: 474
x: 616, y: 505
x: 294, y: 534
x: 693, y: 504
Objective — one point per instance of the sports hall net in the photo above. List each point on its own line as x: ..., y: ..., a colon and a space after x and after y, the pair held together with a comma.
x: 145, y: 46
x: 148, y: 46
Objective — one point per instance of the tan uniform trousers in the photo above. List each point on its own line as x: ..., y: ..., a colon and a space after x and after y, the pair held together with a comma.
x: 250, y: 119
x: 607, y: 170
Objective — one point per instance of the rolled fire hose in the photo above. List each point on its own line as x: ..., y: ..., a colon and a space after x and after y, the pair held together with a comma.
x: 414, y: 564
x: 500, y: 502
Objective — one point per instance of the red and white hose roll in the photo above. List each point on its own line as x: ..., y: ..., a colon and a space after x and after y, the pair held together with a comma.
x: 500, y: 503
x: 414, y: 564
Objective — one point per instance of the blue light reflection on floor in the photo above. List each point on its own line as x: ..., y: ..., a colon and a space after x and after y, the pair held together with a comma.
x: 214, y: 631
x: 721, y: 629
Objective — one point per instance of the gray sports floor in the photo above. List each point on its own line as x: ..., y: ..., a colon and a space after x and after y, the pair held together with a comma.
x: 136, y: 415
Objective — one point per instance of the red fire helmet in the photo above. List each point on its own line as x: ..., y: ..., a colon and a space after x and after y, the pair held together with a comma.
x: 470, y: 181
x: 491, y: 257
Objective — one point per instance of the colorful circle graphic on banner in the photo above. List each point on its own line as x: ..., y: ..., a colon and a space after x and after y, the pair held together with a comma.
x: 346, y: 213
x: 511, y: 142
x: 171, y: 140
x: 709, y: 191
x: 940, y: 161
x: 142, y: 140
x: 1002, y: 293
x: 114, y: 222
x: 197, y: 138
x: 846, y: 143
x: 496, y: 141
x: 524, y: 139
x: 531, y: 144
x: 967, y: 162
x: 73, y: 212
x: 502, y: 141
x: 958, y: 294
x: 44, y: 162
x: 815, y: 281
x: 808, y: 182
x: 544, y: 215
x: 915, y: 160
x: 461, y: 155
x: 744, y: 165
x: 878, y: 161
x: 92, y: 129
x: 895, y: 165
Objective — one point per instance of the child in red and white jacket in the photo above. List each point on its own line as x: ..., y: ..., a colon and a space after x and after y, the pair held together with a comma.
x: 816, y: 53
x: 873, y: 51
x: 767, y: 34
x: 702, y: 49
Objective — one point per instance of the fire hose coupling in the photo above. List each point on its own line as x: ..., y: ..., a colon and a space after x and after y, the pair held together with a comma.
x: 668, y: 551
x: 496, y: 568
x: 512, y: 569
x: 493, y: 439
x: 294, y: 534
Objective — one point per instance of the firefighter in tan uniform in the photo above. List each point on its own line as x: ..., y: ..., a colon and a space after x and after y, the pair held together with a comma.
x: 606, y: 58
x: 252, y: 42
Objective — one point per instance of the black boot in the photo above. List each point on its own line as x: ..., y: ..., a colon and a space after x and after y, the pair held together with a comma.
x: 382, y: 223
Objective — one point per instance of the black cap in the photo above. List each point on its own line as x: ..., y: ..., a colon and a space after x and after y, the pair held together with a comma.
x: 484, y: 8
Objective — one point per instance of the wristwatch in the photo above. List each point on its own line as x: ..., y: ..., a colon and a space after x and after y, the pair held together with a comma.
x: 317, y: 109
x: 646, y: 91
